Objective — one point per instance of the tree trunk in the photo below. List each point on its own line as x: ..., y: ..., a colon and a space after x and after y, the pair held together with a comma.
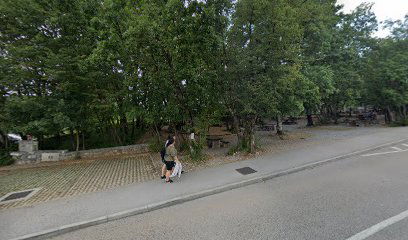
x: 309, y: 118
x: 252, y: 140
x: 236, y: 125
x: 59, y: 139
x: 83, y: 140
x: 2, y: 139
x: 115, y: 135
x: 40, y: 141
x: 77, y: 141
x: 71, y: 131
x: 156, y: 130
x: 237, y: 130
x: 249, y: 135
x: 133, y: 132
x: 279, y: 128
x: 335, y: 115
x: 310, y: 122
x: 124, y: 127
x: 390, y: 115
x: 403, y: 112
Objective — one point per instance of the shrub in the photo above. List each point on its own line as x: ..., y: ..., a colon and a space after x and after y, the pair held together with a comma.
x: 400, y: 123
x: 196, y: 151
x: 5, y: 158
x: 155, y: 144
x: 240, y: 147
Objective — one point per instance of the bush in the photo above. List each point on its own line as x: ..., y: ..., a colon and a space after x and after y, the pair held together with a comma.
x: 155, y: 145
x: 5, y: 158
x: 244, y: 146
x: 196, y: 151
x: 240, y: 147
x: 400, y: 123
x: 184, y: 146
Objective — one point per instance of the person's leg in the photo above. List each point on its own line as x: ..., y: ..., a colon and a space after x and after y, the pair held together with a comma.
x: 169, y: 168
x: 163, y: 171
x: 168, y: 175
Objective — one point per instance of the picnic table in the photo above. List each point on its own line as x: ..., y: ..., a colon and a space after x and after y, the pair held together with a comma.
x: 290, y: 121
x: 214, y: 141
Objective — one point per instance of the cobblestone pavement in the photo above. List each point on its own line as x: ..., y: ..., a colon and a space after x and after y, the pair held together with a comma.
x: 76, y: 178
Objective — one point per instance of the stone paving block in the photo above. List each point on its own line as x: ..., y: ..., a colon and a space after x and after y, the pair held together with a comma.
x: 73, y: 179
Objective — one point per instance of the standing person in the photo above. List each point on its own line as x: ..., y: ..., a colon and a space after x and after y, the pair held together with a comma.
x: 170, y: 158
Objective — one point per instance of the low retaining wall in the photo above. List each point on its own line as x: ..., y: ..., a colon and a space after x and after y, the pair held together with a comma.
x: 23, y: 157
x: 108, y: 152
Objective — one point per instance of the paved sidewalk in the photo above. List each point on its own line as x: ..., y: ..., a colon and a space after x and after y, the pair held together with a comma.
x: 54, y: 214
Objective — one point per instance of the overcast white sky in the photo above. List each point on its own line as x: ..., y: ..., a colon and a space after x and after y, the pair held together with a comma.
x: 383, y: 9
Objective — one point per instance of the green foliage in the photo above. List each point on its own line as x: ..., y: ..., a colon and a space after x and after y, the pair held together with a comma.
x: 196, y: 151
x: 88, y: 73
x: 242, y: 146
x: 5, y: 158
x: 262, y: 67
x: 386, y: 76
x: 400, y: 123
x: 155, y: 144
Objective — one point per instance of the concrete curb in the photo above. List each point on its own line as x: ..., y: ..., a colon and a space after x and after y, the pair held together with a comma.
x: 189, y: 197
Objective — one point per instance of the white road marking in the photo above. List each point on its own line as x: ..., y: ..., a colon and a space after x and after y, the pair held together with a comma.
x: 382, y: 153
x: 379, y: 226
x: 396, y: 148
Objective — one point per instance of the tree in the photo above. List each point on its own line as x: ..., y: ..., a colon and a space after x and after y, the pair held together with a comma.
x: 176, y: 47
x: 318, y: 20
x: 386, y: 74
x: 352, y: 42
x: 262, y: 64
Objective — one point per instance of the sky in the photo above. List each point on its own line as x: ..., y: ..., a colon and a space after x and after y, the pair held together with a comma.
x: 383, y: 9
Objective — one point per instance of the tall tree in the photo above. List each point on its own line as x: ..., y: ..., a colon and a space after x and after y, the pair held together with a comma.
x: 353, y: 40
x: 386, y: 74
x: 263, y: 56
x: 177, y: 46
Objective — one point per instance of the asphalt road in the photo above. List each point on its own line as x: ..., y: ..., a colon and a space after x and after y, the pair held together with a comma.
x: 334, y: 201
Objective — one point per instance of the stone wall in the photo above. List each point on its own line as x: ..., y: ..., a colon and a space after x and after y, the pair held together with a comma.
x: 29, y: 156
x: 108, y: 152
x: 27, y: 146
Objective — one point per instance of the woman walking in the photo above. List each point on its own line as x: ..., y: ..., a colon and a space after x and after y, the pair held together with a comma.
x: 170, y: 158
x: 163, y: 154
